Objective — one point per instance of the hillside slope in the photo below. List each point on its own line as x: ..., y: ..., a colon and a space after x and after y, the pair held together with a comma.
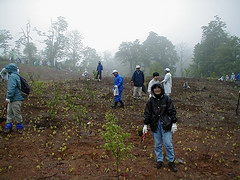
x: 59, y: 144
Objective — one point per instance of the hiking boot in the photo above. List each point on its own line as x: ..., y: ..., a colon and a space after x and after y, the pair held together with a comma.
x: 121, y: 104
x: 7, y: 128
x: 172, y: 166
x: 19, y: 128
x: 159, y: 164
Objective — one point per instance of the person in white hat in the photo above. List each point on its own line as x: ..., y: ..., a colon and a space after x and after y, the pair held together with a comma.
x: 138, y: 82
x: 118, y: 88
x: 167, y: 82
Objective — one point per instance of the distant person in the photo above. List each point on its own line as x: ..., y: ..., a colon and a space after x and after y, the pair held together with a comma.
x: 233, y: 78
x: 14, y: 98
x: 85, y: 75
x: 185, y: 85
x: 167, y: 82
x: 160, y: 114
x: 118, y: 88
x: 138, y: 82
x: 99, y: 71
x: 221, y: 78
x: 238, y: 79
x: 227, y: 78
x: 154, y: 80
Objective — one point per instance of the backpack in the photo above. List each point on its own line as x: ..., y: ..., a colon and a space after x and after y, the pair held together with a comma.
x: 25, y: 88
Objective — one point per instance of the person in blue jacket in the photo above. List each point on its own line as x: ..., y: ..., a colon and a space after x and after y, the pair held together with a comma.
x: 118, y: 85
x: 14, y: 99
x: 99, y: 71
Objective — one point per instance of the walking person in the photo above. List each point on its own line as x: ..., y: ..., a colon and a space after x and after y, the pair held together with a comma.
x: 160, y: 114
x: 14, y: 99
x: 99, y: 71
x: 167, y: 82
x: 138, y: 82
x: 154, y: 80
x: 118, y: 88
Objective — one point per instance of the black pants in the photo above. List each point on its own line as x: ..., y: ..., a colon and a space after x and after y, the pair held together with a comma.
x: 99, y: 74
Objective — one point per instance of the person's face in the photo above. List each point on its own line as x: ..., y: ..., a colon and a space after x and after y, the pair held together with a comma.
x: 156, y: 78
x: 157, y: 90
x: 115, y: 74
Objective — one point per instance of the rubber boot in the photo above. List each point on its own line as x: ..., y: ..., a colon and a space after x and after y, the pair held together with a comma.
x: 121, y: 104
x: 115, y: 105
x: 19, y: 128
x: 8, y: 128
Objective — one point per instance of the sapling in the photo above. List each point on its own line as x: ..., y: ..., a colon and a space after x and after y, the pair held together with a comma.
x: 115, y: 140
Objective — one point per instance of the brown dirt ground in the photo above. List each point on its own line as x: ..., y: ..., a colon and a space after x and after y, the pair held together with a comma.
x: 207, y: 139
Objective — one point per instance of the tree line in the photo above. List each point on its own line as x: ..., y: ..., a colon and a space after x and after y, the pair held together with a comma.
x: 217, y: 54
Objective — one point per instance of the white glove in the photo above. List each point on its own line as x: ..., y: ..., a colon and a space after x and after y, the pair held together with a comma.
x: 8, y: 100
x: 115, y: 86
x: 145, y: 130
x: 174, y: 128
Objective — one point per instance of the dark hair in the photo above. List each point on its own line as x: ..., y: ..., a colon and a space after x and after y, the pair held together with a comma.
x: 155, y: 74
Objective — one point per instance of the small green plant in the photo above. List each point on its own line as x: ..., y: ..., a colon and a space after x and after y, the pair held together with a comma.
x: 89, y: 91
x: 38, y: 87
x: 53, y: 103
x: 115, y: 140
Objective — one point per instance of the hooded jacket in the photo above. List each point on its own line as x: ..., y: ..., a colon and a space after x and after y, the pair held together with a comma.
x: 157, y: 108
x: 14, y: 84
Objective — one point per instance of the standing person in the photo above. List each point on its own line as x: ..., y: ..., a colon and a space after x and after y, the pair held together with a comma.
x: 99, y: 71
x: 138, y: 81
x: 118, y: 88
x: 154, y: 80
x: 167, y: 82
x: 14, y: 99
x: 160, y: 114
x: 233, y: 78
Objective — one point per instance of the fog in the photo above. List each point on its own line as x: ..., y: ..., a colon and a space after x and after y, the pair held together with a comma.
x: 104, y: 24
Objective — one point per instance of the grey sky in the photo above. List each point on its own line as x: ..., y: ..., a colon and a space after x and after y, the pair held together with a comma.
x: 106, y: 23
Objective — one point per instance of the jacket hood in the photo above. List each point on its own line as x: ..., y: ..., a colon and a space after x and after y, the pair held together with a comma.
x: 11, y: 68
x: 160, y: 86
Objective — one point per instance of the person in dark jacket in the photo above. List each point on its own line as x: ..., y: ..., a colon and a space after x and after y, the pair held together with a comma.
x: 118, y: 88
x: 99, y: 71
x: 160, y: 114
x: 14, y: 99
x: 138, y: 82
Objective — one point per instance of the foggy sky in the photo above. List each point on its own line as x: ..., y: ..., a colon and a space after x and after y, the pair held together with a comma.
x: 104, y: 24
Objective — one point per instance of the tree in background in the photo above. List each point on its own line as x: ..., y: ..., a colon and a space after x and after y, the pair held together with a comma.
x: 30, y: 49
x: 131, y: 53
x: 55, y: 41
x: 73, y: 48
x: 218, y: 53
x: 160, y: 49
x: 90, y: 59
x: 5, y: 36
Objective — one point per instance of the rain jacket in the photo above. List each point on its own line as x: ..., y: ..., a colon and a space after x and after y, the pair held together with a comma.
x: 158, y: 107
x: 14, y: 84
x: 138, y: 78
x: 99, y: 67
x: 167, y: 83
x: 118, y: 80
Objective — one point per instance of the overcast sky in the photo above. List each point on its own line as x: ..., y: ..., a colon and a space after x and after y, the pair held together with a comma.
x: 104, y: 24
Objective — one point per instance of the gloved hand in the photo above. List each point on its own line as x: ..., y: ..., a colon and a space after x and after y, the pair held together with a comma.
x: 8, y: 100
x: 115, y: 86
x: 145, y: 130
x: 174, y: 128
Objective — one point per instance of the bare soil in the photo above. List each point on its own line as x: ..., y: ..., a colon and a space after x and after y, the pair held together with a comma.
x: 206, y: 143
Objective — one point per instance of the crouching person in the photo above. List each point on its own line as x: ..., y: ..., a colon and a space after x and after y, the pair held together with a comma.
x: 14, y: 99
x: 160, y: 114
